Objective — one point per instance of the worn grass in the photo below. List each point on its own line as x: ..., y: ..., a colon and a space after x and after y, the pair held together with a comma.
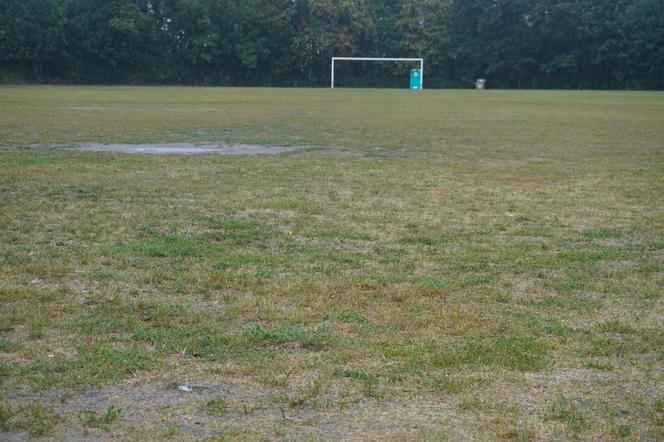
x: 445, y: 264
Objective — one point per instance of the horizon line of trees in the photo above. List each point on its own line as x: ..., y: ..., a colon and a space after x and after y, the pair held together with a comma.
x: 594, y: 44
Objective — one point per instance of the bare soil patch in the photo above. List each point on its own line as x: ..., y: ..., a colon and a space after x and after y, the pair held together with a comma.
x: 177, y: 148
x: 157, y: 407
x: 187, y: 149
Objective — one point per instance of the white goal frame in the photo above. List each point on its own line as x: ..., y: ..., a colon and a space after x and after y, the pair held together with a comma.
x: 418, y: 60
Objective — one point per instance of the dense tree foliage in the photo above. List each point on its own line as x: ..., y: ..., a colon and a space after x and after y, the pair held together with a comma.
x: 512, y: 43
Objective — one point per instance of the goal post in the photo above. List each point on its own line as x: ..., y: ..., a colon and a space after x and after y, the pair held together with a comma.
x: 380, y: 59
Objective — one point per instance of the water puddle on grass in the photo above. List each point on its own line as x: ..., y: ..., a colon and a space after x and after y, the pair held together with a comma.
x: 186, y: 149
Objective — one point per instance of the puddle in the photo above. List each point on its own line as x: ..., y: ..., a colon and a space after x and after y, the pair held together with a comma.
x: 187, y: 149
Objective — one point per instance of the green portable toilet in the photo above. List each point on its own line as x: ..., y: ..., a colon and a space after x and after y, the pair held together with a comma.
x: 415, y: 79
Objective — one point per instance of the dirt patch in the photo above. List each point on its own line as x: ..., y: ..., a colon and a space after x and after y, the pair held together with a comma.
x: 187, y: 149
x: 153, y: 408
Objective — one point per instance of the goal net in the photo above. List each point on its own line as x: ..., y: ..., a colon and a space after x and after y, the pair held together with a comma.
x: 416, y: 79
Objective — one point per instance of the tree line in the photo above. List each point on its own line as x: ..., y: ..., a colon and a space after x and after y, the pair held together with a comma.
x: 607, y: 44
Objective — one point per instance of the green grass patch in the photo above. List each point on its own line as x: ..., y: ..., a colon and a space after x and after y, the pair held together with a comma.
x: 521, y: 353
x: 349, y: 317
x: 435, y: 283
x: 36, y: 419
x: 568, y: 412
x: 93, y: 365
x: 94, y: 419
x: 312, y: 339
x: 27, y: 159
x: 217, y: 407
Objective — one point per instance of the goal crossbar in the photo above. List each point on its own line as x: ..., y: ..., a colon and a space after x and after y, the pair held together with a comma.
x: 417, y: 60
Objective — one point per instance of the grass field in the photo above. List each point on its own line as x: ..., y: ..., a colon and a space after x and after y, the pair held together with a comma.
x: 431, y: 266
